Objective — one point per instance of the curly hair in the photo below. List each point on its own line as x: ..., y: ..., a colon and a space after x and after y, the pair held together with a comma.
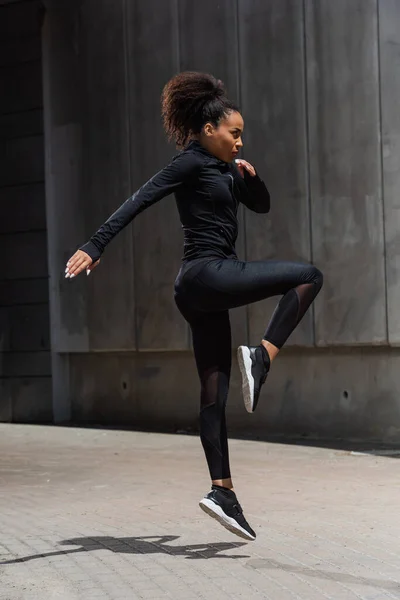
x: 189, y: 101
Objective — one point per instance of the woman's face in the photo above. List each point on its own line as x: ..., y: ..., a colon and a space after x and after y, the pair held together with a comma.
x: 225, y: 140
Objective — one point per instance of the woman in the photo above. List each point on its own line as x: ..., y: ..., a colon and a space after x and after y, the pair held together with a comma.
x: 209, y: 183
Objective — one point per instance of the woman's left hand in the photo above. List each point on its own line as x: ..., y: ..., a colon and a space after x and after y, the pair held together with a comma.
x: 242, y: 165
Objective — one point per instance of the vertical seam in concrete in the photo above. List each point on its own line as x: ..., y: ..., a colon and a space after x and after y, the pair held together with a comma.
x: 47, y: 149
x: 382, y: 183
x: 239, y: 100
x: 238, y: 48
x: 307, y: 153
x: 46, y: 143
x: 126, y: 46
x: 178, y: 54
x: 178, y: 37
x: 60, y: 364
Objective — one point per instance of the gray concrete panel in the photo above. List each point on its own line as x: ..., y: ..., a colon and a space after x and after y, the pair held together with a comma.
x: 24, y: 291
x: 20, y: 19
x: 273, y: 92
x: 175, y: 400
x: 219, y: 57
x: 94, y: 379
x: 25, y: 364
x: 345, y: 168
x: 24, y: 328
x: 31, y: 399
x: 65, y: 221
x: 24, y: 208
x: 5, y: 400
x: 24, y: 318
x: 23, y: 255
x: 158, y: 238
x: 16, y: 125
x: 360, y: 401
x: 20, y: 49
x: 17, y: 79
x: 4, y: 2
x: 389, y: 38
x: 144, y: 388
x: 64, y: 194
x: 210, y: 45
x: 106, y: 179
x: 22, y: 160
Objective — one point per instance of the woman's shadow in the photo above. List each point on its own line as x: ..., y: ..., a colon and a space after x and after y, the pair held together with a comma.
x: 139, y: 545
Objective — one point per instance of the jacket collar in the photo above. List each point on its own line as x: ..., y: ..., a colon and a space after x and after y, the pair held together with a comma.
x: 195, y: 145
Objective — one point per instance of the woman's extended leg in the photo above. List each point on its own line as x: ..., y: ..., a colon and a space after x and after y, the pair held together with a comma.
x: 213, y: 352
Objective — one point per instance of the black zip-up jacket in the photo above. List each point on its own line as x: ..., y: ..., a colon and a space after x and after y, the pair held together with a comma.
x: 207, y: 192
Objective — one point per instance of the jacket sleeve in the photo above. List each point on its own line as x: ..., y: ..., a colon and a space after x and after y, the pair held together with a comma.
x: 185, y: 166
x: 253, y: 192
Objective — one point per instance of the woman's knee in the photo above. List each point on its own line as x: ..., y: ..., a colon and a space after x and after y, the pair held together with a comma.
x: 316, y: 277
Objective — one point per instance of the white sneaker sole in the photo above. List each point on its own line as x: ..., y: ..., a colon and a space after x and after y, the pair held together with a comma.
x: 216, y: 512
x: 247, y: 378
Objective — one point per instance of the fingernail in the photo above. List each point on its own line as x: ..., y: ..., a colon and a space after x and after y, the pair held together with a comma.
x: 68, y: 263
x: 66, y: 270
x: 88, y: 272
x: 72, y: 276
x: 67, y: 275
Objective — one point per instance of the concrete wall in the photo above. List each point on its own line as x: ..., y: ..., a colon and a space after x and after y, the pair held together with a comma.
x: 25, y: 369
x: 319, y: 87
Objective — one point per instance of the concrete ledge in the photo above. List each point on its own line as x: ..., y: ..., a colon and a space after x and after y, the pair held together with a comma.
x: 345, y: 393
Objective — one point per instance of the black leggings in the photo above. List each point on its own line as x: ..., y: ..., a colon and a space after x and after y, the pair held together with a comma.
x: 204, y: 293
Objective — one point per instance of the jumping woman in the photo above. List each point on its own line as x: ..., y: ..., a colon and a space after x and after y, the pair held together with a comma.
x: 209, y: 183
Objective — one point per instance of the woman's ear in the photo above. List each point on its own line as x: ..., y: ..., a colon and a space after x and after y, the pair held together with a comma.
x: 208, y: 129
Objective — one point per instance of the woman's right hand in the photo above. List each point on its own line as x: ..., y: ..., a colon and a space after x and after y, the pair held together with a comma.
x: 78, y: 262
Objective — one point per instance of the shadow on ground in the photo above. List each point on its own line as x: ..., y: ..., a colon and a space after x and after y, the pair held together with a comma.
x: 139, y: 545
x: 341, y: 578
x: 161, y: 544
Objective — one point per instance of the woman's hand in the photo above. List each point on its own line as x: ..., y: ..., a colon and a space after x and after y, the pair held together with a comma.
x: 242, y: 165
x: 78, y: 262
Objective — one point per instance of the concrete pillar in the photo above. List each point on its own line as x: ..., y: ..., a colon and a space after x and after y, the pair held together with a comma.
x: 63, y: 171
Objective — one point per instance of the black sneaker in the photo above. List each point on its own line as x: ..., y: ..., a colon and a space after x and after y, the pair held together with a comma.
x: 221, y: 504
x: 254, y: 365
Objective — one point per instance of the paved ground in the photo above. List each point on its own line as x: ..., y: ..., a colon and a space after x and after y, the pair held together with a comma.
x: 105, y: 514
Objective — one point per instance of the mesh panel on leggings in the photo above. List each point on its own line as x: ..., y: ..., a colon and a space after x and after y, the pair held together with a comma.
x: 214, y: 394
x: 289, y: 312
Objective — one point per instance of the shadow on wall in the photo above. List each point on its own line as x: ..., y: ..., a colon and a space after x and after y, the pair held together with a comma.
x: 352, y: 447
x: 355, y: 447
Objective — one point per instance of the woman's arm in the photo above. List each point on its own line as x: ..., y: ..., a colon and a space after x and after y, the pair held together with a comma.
x: 253, y: 191
x: 165, y: 182
x: 181, y: 169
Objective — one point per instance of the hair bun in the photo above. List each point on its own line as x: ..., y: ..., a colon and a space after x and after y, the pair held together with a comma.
x: 191, y: 99
x: 212, y: 87
x: 220, y: 89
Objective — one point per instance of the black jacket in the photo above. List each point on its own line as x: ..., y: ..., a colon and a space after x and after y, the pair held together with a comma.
x: 207, y: 192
